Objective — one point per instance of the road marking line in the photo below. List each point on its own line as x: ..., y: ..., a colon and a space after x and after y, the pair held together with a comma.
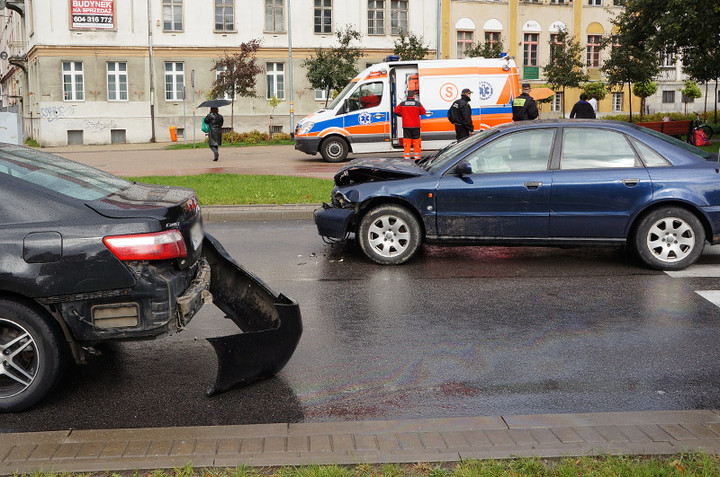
x: 697, y: 271
x: 713, y: 296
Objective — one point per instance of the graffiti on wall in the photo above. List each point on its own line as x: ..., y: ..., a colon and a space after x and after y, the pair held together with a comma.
x: 99, y: 125
x: 53, y: 113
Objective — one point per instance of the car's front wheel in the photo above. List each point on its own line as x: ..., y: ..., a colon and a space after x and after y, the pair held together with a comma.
x: 389, y: 235
x: 669, y: 238
x: 31, y: 356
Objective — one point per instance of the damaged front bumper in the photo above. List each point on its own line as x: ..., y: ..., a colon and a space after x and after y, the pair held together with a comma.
x: 333, y: 222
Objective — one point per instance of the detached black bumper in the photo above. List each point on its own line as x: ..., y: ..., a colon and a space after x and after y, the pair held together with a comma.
x: 308, y: 145
x: 332, y: 222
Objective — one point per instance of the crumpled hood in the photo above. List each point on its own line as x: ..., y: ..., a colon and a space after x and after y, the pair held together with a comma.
x: 377, y: 169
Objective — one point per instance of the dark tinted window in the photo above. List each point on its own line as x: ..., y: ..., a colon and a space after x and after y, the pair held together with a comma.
x: 58, y: 174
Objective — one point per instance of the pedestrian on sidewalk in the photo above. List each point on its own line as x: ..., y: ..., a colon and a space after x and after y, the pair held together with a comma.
x: 582, y: 109
x: 214, y: 120
x: 410, y: 111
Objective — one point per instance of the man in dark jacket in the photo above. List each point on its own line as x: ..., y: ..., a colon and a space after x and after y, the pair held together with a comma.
x: 214, y: 120
x: 410, y: 111
x: 582, y: 109
x: 460, y: 115
x: 524, y: 106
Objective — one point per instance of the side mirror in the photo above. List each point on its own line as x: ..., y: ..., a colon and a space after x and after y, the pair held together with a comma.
x: 463, y: 168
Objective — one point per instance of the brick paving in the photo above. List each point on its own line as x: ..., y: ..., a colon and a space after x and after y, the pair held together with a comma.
x: 398, y: 441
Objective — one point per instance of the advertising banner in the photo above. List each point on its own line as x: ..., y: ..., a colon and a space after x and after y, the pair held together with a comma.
x: 92, y: 14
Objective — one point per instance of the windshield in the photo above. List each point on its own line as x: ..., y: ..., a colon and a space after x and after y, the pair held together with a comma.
x: 341, y: 95
x: 451, y: 151
x: 58, y: 174
x: 681, y: 144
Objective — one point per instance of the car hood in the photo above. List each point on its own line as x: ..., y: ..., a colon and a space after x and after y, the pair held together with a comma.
x: 377, y: 169
x: 148, y: 200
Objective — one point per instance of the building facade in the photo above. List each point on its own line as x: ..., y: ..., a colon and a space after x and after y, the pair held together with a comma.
x: 112, y: 71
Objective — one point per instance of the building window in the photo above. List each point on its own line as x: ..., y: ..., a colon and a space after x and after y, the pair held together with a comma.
x: 492, y: 38
x: 376, y: 17
x: 275, y: 74
x: 686, y: 99
x: 320, y: 94
x: 73, y: 83
x: 617, y: 102
x: 530, y: 49
x: 172, y: 15
x: 274, y: 15
x: 224, y: 15
x: 668, y: 60
x: 559, y: 2
x: 117, y: 81
x: 323, y: 16
x: 219, y: 74
x: 464, y: 42
x: 556, y: 103
x: 619, y: 3
x: 668, y: 96
x: 398, y: 16
x: 174, y: 81
x: 596, y: 3
x: 593, y: 50
x: 554, y: 44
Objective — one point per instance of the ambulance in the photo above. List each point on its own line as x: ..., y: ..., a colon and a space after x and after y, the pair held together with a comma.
x: 361, y: 119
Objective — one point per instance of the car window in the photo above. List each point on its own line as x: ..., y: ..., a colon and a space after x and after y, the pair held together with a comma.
x: 650, y: 158
x: 58, y: 174
x: 524, y: 151
x: 586, y: 148
x: 681, y: 144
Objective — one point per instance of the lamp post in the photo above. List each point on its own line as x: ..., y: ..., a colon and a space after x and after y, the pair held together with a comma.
x: 152, y: 75
x: 290, y: 73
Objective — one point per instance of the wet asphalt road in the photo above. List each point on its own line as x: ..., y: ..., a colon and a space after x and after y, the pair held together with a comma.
x: 464, y: 331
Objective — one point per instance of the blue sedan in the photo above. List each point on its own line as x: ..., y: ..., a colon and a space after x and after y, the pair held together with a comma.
x: 554, y: 182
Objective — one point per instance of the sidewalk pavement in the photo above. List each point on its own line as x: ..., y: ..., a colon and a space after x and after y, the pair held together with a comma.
x: 346, y: 442
x: 404, y: 441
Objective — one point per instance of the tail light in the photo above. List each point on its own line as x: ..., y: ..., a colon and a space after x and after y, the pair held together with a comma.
x: 164, y: 245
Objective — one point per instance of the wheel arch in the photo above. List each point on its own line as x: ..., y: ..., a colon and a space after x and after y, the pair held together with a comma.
x: 52, y: 318
x: 373, y: 202
x: 671, y: 203
x: 336, y: 136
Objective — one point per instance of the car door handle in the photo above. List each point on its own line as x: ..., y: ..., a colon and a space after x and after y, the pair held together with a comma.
x: 631, y: 182
x: 428, y: 114
x: 532, y: 185
x: 379, y: 115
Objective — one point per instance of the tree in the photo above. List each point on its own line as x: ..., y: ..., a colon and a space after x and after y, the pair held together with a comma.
x: 691, y: 90
x: 331, y: 69
x: 595, y: 89
x: 565, y: 68
x: 643, y: 90
x: 410, y: 47
x: 485, y: 49
x: 633, y: 58
x: 238, y: 74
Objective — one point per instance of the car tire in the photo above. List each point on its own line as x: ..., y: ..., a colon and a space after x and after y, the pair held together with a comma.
x: 669, y: 238
x: 389, y: 235
x: 32, y: 356
x: 334, y: 149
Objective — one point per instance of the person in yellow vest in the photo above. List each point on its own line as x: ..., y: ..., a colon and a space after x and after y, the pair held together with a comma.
x: 524, y: 106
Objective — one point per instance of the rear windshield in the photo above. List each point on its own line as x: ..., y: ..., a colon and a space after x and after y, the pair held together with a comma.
x: 58, y: 174
x: 682, y: 144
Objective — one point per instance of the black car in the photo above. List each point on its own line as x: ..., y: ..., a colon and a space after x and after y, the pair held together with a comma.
x: 87, y: 257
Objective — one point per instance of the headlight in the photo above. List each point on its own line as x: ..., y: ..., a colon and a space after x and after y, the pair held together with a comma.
x: 305, y: 128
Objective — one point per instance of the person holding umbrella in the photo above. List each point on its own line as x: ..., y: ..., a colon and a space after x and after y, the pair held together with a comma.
x: 214, y: 122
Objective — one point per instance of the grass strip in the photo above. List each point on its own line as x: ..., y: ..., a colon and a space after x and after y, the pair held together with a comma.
x: 240, y: 189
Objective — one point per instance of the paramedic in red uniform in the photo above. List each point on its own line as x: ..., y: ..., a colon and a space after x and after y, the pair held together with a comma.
x: 410, y: 111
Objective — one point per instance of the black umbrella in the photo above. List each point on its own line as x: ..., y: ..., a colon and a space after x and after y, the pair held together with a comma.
x: 214, y: 103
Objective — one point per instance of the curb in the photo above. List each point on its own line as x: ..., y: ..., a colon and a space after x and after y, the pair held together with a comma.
x: 231, y: 213
x: 354, y: 442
